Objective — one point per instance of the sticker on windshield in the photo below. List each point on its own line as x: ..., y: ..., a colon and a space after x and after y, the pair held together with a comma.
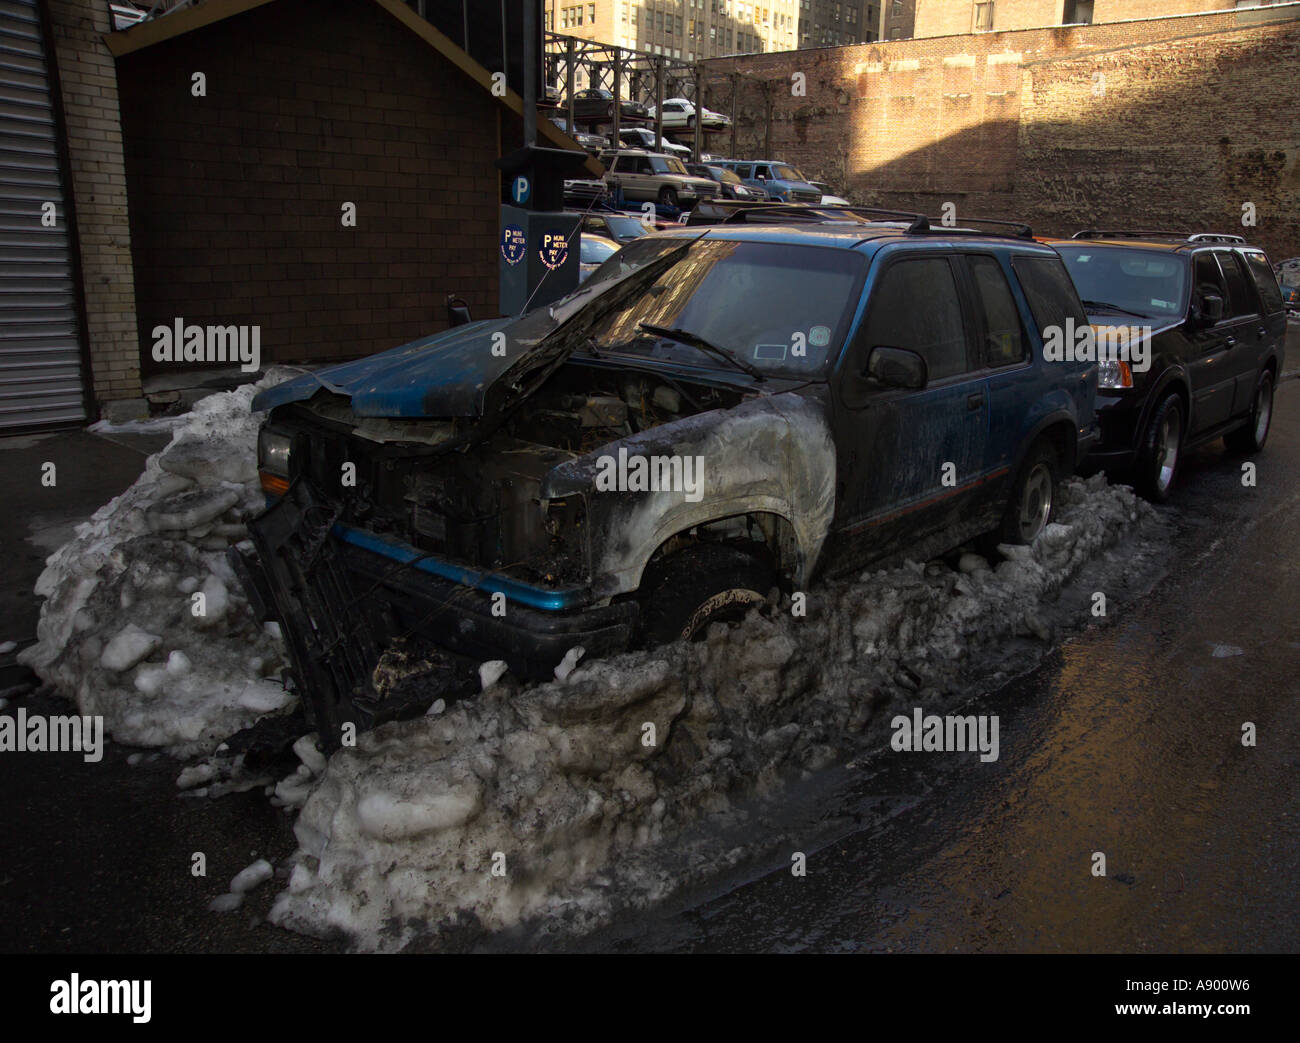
x: 1161, y: 304
x: 819, y: 336
x: 554, y: 251
x: 514, y: 244
x: 770, y: 352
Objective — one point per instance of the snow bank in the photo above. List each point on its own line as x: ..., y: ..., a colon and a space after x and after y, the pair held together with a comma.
x: 526, y: 807
x: 118, y: 630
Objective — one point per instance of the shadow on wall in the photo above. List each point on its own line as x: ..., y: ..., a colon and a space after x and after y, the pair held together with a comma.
x: 1184, y: 134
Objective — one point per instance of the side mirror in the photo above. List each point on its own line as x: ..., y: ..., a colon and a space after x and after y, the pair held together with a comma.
x: 1210, y: 306
x: 457, y: 310
x: 897, y: 368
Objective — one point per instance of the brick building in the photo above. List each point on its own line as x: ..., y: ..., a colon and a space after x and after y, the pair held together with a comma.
x: 224, y: 204
x: 953, y: 17
x: 1175, y: 122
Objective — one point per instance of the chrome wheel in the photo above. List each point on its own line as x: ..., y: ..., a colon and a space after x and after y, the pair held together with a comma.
x: 1036, y: 502
x: 1168, y: 442
x: 1263, y: 411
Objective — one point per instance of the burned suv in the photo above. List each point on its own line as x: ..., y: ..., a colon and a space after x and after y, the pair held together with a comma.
x: 713, y: 415
x: 1204, y: 333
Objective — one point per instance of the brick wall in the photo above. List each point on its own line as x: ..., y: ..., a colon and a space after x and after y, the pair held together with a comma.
x: 951, y: 17
x: 90, y: 105
x: 1172, y: 122
x: 236, y: 197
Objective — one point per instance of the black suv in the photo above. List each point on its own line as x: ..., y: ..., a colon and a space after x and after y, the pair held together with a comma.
x: 1205, y: 331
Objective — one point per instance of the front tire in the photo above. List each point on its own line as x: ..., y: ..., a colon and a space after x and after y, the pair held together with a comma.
x: 668, y: 196
x: 704, y: 583
x: 1251, y: 437
x: 1160, y: 450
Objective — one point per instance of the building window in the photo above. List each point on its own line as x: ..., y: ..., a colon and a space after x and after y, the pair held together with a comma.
x: 1078, y: 12
x: 983, y: 18
x: 591, y: 13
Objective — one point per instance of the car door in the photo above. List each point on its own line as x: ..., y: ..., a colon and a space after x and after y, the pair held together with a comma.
x: 1244, y: 340
x: 1272, y: 327
x: 908, y: 459
x: 1208, y: 368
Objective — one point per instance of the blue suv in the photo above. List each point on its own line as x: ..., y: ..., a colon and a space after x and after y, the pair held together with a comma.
x: 716, y: 412
x: 780, y: 182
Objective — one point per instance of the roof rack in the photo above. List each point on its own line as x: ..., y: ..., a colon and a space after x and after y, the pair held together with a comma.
x: 735, y: 211
x: 1190, y: 237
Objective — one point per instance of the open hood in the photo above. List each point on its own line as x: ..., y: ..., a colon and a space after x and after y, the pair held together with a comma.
x: 456, y: 374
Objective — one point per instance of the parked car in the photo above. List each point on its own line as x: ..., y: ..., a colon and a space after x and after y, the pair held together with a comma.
x: 729, y: 185
x: 644, y: 138
x: 680, y: 114
x: 655, y: 177
x: 829, y: 198
x: 593, y: 143
x: 780, y: 181
x: 593, y: 251
x: 597, y: 103
x: 1288, y: 281
x: 913, y: 411
x: 621, y: 227
x: 1214, y: 344
x: 581, y: 193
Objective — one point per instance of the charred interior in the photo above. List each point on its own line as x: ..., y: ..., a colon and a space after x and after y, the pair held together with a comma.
x: 477, y: 501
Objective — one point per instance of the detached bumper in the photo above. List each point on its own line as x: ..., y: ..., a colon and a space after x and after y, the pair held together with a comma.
x: 340, y: 600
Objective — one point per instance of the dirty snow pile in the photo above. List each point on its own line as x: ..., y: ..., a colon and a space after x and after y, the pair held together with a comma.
x: 533, y: 807
x: 122, y: 628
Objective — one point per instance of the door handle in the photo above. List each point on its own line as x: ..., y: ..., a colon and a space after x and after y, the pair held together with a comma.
x: 1262, y: 331
x: 973, y: 402
x: 1230, y: 341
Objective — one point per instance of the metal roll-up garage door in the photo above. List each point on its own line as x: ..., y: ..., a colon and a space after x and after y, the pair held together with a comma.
x: 40, y: 351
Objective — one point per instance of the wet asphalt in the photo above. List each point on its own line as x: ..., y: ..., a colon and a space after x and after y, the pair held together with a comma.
x: 1126, y: 741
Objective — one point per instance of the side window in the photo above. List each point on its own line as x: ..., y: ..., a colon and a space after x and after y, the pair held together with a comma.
x: 1241, y: 298
x: 1005, y: 339
x: 743, y: 170
x: 1208, y: 278
x: 1265, y: 282
x: 643, y: 166
x: 916, y: 306
x: 761, y: 172
x: 1050, y: 291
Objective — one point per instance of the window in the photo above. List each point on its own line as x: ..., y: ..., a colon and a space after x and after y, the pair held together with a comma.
x: 1143, y: 282
x: 1265, y: 283
x: 1209, y: 279
x: 1078, y: 12
x: 591, y: 13
x: 916, y: 306
x: 1241, y: 299
x: 1004, y: 343
x: 1050, y: 292
x: 983, y: 18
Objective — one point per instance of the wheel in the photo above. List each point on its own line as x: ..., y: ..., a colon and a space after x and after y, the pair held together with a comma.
x: 704, y: 583
x: 690, y: 122
x: 1160, y: 449
x: 668, y: 196
x: 1251, y: 437
x: 1033, y: 498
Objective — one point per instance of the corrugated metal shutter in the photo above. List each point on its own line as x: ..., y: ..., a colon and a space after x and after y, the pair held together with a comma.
x: 40, y: 352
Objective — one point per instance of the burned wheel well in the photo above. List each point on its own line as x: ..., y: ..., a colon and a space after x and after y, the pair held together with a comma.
x: 765, y: 534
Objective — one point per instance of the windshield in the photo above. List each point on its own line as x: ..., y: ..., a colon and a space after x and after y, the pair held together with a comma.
x: 725, y: 175
x: 1148, y: 283
x: 625, y: 227
x: 596, y: 251
x: 786, y: 173
x: 666, y: 165
x: 749, y: 298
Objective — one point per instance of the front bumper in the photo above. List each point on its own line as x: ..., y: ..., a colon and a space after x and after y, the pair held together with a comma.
x: 341, y: 595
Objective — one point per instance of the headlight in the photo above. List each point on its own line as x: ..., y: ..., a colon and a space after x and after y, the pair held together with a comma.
x: 273, y: 452
x: 1112, y: 373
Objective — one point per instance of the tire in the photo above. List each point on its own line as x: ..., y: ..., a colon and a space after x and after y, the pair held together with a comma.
x: 1160, y: 449
x: 698, y: 585
x: 690, y: 122
x: 1032, y: 505
x: 668, y: 196
x: 1251, y: 437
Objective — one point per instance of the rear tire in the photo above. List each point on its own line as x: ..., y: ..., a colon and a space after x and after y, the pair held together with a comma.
x: 705, y: 583
x: 1033, y: 498
x: 1160, y: 450
x: 1251, y: 437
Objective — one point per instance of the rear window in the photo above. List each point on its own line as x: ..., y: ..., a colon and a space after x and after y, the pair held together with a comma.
x: 1050, y: 292
x: 1262, y: 272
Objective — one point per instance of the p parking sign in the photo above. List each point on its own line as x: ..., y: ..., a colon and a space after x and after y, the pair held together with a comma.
x: 520, y: 190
